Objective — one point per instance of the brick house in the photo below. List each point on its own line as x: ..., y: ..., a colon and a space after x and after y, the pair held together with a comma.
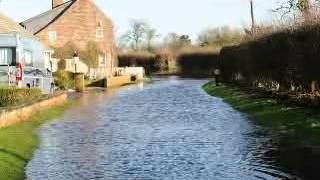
x: 80, y: 22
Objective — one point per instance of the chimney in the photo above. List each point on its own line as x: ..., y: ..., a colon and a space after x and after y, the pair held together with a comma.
x: 56, y: 3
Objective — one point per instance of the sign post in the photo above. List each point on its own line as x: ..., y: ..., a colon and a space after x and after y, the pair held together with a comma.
x: 217, y: 73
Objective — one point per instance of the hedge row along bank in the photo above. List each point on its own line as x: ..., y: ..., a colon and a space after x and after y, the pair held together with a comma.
x: 140, y: 59
x: 191, y: 63
x: 10, y: 96
x: 197, y: 64
x: 288, y: 61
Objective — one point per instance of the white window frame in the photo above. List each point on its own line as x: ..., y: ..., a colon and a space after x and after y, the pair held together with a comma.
x: 99, y: 33
x: 102, y: 59
x: 6, y: 53
x: 52, y: 36
x: 25, y: 52
x: 100, y: 24
x: 47, y: 58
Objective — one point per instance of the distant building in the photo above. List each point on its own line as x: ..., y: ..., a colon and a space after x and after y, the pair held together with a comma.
x: 80, y: 22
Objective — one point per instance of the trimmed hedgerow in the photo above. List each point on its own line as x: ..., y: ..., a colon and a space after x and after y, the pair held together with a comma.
x: 141, y: 59
x: 13, y: 96
x: 197, y: 64
x: 286, y: 60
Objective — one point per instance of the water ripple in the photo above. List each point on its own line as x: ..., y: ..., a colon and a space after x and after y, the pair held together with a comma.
x: 170, y: 129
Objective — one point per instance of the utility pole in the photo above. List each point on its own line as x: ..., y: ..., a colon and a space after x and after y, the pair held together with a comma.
x: 253, y: 22
x: 305, y: 7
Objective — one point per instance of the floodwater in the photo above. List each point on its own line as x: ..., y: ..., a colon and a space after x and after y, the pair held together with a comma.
x: 169, y: 129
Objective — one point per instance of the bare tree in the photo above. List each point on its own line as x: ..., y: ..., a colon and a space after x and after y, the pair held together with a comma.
x: 220, y: 36
x: 176, y: 42
x: 122, y: 42
x: 137, y: 32
x: 302, y: 6
x: 151, y: 35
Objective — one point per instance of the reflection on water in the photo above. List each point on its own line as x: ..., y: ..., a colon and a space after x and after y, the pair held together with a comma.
x: 169, y: 129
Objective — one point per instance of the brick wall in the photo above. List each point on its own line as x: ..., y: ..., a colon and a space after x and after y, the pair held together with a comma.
x: 118, y: 81
x: 79, y: 25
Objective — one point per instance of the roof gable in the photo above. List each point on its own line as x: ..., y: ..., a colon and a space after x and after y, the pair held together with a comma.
x: 38, y: 23
x: 8, y: 25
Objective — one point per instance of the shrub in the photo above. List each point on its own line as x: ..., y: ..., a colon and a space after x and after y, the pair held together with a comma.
x: 162, y: 62
x: 288, y: 59
x: 90, y: 55
x: 197, y: 63
x: 63, y: 79
x: 12, y: 96
x: 66, y: 52
x: 141, y: 59
x: 62, y: 64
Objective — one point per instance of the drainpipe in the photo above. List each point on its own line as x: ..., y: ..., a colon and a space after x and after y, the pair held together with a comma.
x: 111, y: 56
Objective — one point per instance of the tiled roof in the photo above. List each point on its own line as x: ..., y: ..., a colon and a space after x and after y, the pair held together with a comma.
x: 8, y: 25
x: 37, y: 23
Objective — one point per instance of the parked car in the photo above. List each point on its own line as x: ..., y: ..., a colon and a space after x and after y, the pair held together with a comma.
x: 25, y: 62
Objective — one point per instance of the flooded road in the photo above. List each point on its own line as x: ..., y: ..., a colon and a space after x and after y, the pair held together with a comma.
x: 170, y: 129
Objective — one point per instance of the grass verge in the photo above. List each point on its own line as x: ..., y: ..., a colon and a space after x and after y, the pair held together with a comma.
x: 297, y: 124
x: 18, y: 142
x: 296, y: 128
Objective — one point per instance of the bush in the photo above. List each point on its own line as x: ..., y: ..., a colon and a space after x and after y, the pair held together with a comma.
x: 62, y: 64
x: 89, y: 55
x: 166, y: 61
x: 197, y: 63
x: 12, y: 96
x: 140, y: 59
x: 63, y: 79
x: 287, y: 60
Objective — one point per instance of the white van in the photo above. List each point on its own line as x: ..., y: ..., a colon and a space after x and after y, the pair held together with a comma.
x: 25, y: 62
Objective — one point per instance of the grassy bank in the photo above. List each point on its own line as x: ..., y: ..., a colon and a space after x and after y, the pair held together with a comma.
x: 296, y: 128
x: 18, y: 142
x: 299, y: 124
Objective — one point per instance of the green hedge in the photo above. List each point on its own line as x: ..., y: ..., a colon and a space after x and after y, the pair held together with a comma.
x: 198, y: 64
x: 146, y: 60
x: 289, y: 58
x: 13, y: 96
x: 63, y: 79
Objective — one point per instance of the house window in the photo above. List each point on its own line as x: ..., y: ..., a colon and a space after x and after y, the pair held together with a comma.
x: 99, y: 33
x: 102, y: 59
x: 27, y: 58
x: 52, y: 36
x: 6, y: 56
x: 100, y: 24
x: 47, y: 57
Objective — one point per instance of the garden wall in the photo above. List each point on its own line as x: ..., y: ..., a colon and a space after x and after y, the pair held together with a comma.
x: 118, y: 81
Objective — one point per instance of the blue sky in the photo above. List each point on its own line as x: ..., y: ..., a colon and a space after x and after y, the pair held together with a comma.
x: 180, y: 16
